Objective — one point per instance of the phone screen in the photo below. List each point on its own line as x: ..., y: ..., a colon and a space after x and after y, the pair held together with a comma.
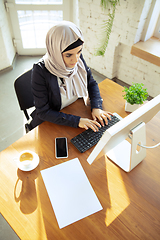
x: 61, y: 147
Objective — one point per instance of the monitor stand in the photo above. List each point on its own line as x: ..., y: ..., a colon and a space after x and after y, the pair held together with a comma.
x: 126, y: 155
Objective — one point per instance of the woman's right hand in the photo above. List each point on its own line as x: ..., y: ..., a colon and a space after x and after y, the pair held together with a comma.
x: 88, y: 123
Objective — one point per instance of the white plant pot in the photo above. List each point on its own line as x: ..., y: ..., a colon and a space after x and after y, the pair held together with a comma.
x: 131, y: 108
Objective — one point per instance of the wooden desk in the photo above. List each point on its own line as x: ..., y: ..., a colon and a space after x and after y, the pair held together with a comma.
x: 131, y: 201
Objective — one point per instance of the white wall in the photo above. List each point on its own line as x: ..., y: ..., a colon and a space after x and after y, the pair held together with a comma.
x: 6, y: 46
x: 118, y: 62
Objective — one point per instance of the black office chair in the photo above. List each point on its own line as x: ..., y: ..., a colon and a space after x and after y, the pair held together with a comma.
x: 24, y: 94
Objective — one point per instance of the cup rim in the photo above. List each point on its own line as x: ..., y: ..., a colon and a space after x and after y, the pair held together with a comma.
x: 34, y: 163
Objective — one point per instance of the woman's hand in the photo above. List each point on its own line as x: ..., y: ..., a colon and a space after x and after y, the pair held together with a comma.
x: 101, y: 115
x: 88, y: 123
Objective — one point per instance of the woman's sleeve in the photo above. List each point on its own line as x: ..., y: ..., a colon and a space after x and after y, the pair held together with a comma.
x: 41, y: 91
x: 93, y: 89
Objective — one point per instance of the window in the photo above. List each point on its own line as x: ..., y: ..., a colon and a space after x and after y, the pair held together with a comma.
x: 39, y: 1
x: 147, y: 44
x: 35, y: 24
x: 152, y: 20
x: 31, y: 20
x: 157, y: 29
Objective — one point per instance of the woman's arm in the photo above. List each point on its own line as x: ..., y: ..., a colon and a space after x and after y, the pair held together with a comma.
x: 95, y: 99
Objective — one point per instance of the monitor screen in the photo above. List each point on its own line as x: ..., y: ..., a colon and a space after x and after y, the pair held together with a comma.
x: 120, y: 131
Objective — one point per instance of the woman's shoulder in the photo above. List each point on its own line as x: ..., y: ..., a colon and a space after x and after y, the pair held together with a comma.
x: 40, y: 73
x: 39, y: 68
x: 84, y: 62
x: 39, y: 65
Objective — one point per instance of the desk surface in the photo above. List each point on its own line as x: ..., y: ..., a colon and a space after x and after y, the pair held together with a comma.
x: 130, y: 201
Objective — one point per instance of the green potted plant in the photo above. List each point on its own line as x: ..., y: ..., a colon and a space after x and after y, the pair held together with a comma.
x: 135, y: 95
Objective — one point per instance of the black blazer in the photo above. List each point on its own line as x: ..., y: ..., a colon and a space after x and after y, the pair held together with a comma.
x: 47, y: 97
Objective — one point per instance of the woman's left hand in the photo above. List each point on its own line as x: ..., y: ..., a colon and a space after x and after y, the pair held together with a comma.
x: 99, y: 114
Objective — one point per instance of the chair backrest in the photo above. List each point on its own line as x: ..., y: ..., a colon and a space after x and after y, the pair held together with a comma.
x: 23, y: 91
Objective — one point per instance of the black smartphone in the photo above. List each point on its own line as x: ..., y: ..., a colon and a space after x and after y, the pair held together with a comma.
x: 61, y: 147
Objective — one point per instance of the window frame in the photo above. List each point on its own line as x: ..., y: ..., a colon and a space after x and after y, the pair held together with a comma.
x: 66, y: 7
x: 157, y: 28
x: 151, y: 22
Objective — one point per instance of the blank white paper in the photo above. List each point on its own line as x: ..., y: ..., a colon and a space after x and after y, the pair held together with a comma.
x: 70, y: 192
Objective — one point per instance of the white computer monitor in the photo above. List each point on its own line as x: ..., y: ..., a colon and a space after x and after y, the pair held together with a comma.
x: 114, y: 143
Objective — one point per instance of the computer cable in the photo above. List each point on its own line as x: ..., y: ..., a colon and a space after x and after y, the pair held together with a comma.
x: 143, y: 145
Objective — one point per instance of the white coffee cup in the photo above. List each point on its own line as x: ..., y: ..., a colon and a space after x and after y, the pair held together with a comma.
x: 27, y: 160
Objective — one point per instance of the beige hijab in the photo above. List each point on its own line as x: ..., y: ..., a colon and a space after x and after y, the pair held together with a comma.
x: 58, y: 39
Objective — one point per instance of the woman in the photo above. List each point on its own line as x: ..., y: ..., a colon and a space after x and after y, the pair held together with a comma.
x: 61, y: 77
